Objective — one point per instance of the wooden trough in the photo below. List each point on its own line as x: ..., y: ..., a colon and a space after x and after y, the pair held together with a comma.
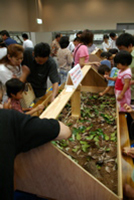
x: 47, y: 171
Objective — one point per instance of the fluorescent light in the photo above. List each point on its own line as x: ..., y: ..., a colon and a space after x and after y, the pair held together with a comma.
x: 39, y: 21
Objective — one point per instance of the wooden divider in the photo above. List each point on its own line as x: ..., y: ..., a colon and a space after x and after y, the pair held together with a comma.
x: 127, y: 162
x: 47, y: 171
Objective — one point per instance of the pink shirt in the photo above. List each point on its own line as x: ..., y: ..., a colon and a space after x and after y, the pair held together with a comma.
x: 80, y: 53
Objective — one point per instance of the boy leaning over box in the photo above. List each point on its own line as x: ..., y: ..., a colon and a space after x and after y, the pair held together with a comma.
x: 105, y: 70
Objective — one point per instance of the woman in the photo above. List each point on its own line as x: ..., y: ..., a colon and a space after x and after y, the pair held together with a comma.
x: 10, y: 65
x: 106, y: 43
x: 81, y: 54
x: 64, y: 58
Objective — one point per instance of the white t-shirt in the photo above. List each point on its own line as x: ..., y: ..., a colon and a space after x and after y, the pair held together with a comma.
x: 28, y: 44
x: 105, y: 46
x: 3, y: 52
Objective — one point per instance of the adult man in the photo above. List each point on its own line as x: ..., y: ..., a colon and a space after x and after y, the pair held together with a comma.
x: 126, y: 42
x: 112, y: 40
x: 55, y: 45
x: 22, y: 134
x: 41, y: 66
x: 27, y: 43
x: 6, y: 37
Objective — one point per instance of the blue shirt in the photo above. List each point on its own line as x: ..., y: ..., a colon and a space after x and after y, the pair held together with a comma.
x: 9, y: 41
x: 106, y: 62
x: 113, y: 73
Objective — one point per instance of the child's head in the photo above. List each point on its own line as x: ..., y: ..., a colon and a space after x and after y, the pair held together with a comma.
x: 123, y: 59
x: 76, y: 41
x: 105, y: 37
x: 125, y: 42
x: 113, y: 51
x: 106, y: 55
x: 14, y: 88
x: 104, y: 70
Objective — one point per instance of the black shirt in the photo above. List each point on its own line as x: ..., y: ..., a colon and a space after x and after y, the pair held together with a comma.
x: 20, y: 133
x: 40, y: 73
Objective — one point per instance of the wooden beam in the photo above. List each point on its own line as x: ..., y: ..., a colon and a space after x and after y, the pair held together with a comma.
x: 76, y: 103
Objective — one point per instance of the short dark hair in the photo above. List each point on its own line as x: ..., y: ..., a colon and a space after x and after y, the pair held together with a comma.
x: 79, y: 33
x: 103, y: 68
x: 57, y: 35
x: 13, y: 86
x: 2, y: 43
x: 112, y: 34
x: 125, y: 39
x: 123, y: 57
x: 76, y: 39
x: 4, y: 32
x: 106, y: 55
x: 87, y: 37
x: 25, y: 35
x: 42, y: 50
x: 64, y: 42
x: 105, y: 37
x: 113, y: 51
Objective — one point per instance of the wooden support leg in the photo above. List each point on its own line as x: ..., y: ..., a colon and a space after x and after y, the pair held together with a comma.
x: 75, y: 103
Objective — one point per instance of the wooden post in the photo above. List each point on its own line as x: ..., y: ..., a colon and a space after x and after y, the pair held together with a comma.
x: 75, y: 103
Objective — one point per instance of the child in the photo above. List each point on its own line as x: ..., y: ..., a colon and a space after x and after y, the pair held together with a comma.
x: 14, y: 88
x: 105, y: 70
x: 122, y: 86
x: 106, y: 59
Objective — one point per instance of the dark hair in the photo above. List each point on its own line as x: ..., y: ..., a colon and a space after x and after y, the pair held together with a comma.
x: 79, y: 33
x: 125, y: 39
x: 42, y: 50
x: 106, y: 55
x: 4, y: 32
x: 103, y: 68
x: 86, y: 37
x: 123, y: 57
x: 25, y: 36
x: 64, y: 42
x: 105, y: 37
x: 112, y: 34
x: 2, y: 43
x: 113, y: 51
x: 13, y: 86
x: 57, y: 35
x: 76, y: 39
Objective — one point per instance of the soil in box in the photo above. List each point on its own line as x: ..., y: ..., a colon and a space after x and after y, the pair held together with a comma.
x: 93, y: 144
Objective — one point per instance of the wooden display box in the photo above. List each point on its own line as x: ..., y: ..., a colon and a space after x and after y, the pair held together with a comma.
x: 47, y: 171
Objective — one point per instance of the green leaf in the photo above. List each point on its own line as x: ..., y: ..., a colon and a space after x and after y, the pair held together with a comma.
x: 89, y: 137
x: 96, y: 139
x: 76, y: 148
x: 108, y: 149
x: 106, y: 137
x: 78, y: 136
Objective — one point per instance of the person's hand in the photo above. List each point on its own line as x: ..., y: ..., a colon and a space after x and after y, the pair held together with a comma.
x: 132, y: 82
x: 128, y: 108
x: 97, y: 63
x: 128, y: 151
x: 120, y: 97
x: 40, y: 107
x: 101, y: 94
x: 106, y: 76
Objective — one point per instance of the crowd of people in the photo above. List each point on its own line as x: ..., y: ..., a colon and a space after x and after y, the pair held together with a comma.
x: 21, y: 63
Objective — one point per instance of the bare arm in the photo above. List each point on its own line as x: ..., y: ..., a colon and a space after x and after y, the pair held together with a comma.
x: 64, y: 133
x: 110, y: 78
x: 105, y: 91
x: 55, y: 91
x: 40, y: 107
x: 126, y: 85
x: 25, y: 73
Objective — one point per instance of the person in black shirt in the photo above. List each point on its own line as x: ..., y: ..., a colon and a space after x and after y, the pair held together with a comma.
x: 20, y: 133
x: 42, y: 66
